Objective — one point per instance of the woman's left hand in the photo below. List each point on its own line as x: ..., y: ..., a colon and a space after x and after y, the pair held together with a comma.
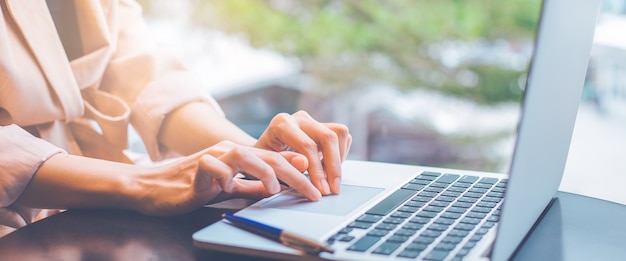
x: 325, y: 146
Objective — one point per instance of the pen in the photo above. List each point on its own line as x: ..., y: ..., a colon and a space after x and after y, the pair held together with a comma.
x: 286, y: 238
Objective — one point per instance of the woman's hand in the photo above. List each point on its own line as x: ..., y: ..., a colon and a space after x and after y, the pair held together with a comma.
x: 209, y: 176
x: 325, y: 146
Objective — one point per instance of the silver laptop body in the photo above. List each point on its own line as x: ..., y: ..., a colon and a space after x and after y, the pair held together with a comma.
x: 466, y: 215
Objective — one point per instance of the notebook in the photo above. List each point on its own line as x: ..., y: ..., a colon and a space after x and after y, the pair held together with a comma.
x: 401, y: 212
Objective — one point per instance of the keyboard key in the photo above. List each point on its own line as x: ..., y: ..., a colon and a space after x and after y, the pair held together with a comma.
x: 456, y: 210
x: 416, y: 204
x: 433, y: 189
x: 424, y: 240
x: 398, y: 238
x: 477, y: 215
x: 400, y: 214
x: 364, y: 243
x: 420, y: 182
x: 458, y: 233
x: 409, y: 254
x: 467, y: 199
x: 478, y: 190
x: 492, y: 199
x: 438, y: 227
x: 413, y: 226
x: 439, y: 185
x: 439, y: 203
x: 462, y: 205
x: 420, y: 220
x: 487, y: 180
x: 412, y: 186
x: 465, y: 227
x: 469, y: 220
x: 461, y: 185
x: 486, y: 204
x: 450, y: 194
x: 425, y: 177
x: 481, y: 210
x: 420, y: 198
x: 417, y: 246
x: 437, y: 255
x: 406, y: 232
x: 452, y: 239
x: 448, y: 178
x: 483, y: 185
x: 445, y: 246
x: 345, y: 238
x: 393, y: 220
x: 482, y: 231
x: 430, y: 173
x: 431, y: 233
x: 386, y: 226
x: 495, y: 194
x: 391, y: 202
x: 457, y: 189
x: 468, y: 179
x: 378, y: 232
x: 386, y: 248
x: 426, y: 214
x: 475, y: 238
x: 408, y: 209
x: 433, y: 209
x: 360, y: 225
x: 472, y: 195
x: 451, y: 215
x: 369, y: 218
x: 428, y: 194
x: 444, y: 221
x: 496, y: 189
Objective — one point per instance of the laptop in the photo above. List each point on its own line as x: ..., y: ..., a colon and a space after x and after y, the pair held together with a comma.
x: 392, y: 211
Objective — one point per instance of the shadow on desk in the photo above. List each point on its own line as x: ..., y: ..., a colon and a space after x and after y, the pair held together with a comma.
x: 112, y: 235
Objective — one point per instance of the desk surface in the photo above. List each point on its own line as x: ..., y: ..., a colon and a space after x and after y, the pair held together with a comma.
x: 574, y: 228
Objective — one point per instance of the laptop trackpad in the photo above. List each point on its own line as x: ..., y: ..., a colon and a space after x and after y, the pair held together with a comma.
x: 349, y: 199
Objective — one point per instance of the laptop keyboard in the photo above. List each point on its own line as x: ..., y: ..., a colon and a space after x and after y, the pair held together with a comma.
x: 435, y: 216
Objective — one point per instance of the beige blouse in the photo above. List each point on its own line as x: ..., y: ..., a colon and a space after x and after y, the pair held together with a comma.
x: 49, y: 104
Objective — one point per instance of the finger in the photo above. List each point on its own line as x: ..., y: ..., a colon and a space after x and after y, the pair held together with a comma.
x: 251, y: 189
x: 218, y: 170
x: 285, y: 131
x: 287, y: 173
x: 343, y: 136
x: 328, y: 141
x: 243, y: 160
x: 297, y: 160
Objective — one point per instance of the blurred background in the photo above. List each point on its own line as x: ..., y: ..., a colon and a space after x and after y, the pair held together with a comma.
x: 435, y: 83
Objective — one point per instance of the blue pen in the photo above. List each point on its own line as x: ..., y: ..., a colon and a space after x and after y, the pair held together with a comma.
x: 286, y: 238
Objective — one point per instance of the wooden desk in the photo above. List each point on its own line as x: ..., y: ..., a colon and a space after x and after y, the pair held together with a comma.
x: 568, y: 231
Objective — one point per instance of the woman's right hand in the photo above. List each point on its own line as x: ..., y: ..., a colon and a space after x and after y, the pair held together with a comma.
x: 210, y: 176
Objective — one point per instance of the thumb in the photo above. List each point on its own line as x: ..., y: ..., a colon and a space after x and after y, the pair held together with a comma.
x: 252, y: 189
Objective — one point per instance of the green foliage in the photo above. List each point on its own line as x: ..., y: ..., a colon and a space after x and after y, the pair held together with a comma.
x: 342, y: 41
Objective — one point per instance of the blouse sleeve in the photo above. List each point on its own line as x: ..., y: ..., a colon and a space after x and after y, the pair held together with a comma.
x: 20, y: 157
x: 151, y: 80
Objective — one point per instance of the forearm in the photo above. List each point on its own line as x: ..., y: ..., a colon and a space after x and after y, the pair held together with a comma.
x: 196, y: 126
x: 68, y: 181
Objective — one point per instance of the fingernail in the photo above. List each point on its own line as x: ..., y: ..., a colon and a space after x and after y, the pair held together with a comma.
x: 314, y: 195
x: 337, y: 185
x: 325, y: 187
